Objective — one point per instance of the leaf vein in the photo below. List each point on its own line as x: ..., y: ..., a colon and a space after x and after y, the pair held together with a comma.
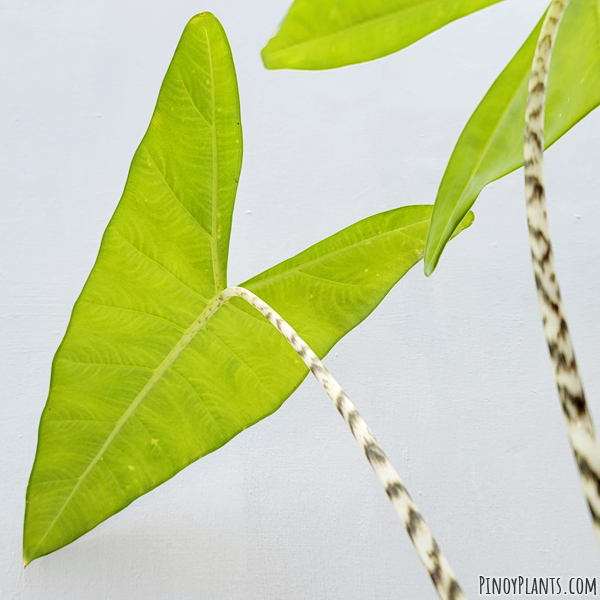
x: 117, y: 365
x: 187, y: 91
x: 215, y: 175
x: 196, y: 393
x: 325, y: 279
x: 366, y: 23
x: 137, y: 312
x: 121, y: 488
x: 240, y: 361
x: 177, y: 199
x: 346, y: 248
x: 163, y: 268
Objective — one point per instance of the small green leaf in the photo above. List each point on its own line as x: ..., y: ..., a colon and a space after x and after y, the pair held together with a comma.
x: 323, y: 34
x: 491, y: 144
x: 150, y: 377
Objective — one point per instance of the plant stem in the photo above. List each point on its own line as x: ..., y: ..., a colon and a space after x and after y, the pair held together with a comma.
x: 580, y: 428
x: 429, y: 552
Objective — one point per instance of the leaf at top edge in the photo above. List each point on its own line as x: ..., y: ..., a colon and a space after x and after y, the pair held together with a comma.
x: 491, y: 144
x: 324, y: 34
x: 139, y: 390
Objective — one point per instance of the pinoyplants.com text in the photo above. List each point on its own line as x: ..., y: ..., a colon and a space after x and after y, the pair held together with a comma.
x: 537, y: 586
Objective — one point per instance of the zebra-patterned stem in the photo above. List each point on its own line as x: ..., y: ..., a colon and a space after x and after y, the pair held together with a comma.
x: 570, y: 389
x: 429, y: 552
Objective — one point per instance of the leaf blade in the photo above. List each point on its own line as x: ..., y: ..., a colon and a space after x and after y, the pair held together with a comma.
x: 354, y: 271
x: 144, y: 382
x: 236, y: 334
x: 318, y: 35
x: 171, y: 229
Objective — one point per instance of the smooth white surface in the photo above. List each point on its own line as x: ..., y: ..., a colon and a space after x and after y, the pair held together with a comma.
x: 450, y: 372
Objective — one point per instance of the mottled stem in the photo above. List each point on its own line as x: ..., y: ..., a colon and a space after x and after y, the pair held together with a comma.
x: 570, y: 389
x: 429, y: 552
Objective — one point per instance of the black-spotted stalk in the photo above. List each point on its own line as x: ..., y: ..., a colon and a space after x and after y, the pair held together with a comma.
x: 427, y: 548
x: 579, y: 423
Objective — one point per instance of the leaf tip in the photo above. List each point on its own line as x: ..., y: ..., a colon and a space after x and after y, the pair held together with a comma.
x: 264, y: 54
x: 203, y: 18
x: 434, y: 253
x: 267, y: 59
x: 468, y: 220
x: 205, y: 15
x: 29, y: 551
x: 431, y: 257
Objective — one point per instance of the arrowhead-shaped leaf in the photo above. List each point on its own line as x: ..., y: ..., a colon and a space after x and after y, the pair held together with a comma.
x: 163, y: 257
x: 148, y: 379
x: 491, y: 145
x: 323, y: 34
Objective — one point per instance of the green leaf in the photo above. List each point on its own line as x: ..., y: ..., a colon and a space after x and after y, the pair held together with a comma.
x: 162, y: 258
x: 491, y: 145
x: 323, y: 34
x: 150, y: 377
x: 331, y: 287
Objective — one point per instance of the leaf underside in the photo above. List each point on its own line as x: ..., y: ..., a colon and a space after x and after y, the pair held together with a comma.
x: 323, y: 34
x: 491, y: 144
x: 143, y: 384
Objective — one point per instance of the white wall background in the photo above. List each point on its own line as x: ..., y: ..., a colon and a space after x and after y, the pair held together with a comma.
x: 451, y: 372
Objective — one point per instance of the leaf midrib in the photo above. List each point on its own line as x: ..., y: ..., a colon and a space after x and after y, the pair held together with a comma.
x: 215, y: 175
x: 185, y: 340
x: 368, y: 22
x: 400, y: 230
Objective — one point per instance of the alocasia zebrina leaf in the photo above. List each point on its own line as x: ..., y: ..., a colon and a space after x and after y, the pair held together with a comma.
x: 149, y: 377
x: 323, y: 34
x: 491, y: 145
x: 162, y: 258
